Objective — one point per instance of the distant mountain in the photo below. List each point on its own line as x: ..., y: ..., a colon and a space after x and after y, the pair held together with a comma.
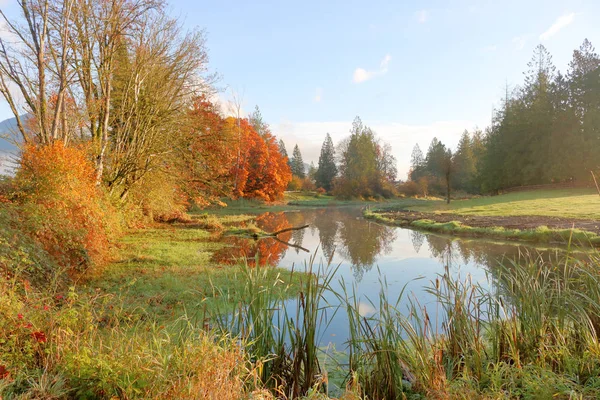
x: 7, y: 126
x: 8, y: 151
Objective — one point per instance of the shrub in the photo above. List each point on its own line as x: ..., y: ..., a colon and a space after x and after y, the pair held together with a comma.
x: 408, y: 188
x: 308, y: 185
x: 295, y: 184
x: 63, y: 208
x: 160, y: 197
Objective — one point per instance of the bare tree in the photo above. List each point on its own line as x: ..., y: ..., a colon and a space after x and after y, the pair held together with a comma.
x: 34, y: 67
x: 155, y: 79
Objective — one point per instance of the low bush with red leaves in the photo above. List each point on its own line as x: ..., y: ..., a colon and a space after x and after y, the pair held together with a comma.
x: 64, y: 208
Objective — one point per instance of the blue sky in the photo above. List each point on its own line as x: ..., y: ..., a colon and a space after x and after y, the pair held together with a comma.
x: 410, y: 69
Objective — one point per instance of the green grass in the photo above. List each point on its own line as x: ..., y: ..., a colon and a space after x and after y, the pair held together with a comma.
x: 569, y: 203
x: 294, y: 201
x: 167, y: 271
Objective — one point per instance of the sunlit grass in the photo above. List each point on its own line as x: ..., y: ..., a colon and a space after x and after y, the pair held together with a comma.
x: 569, y: 203
x: 168, y: 270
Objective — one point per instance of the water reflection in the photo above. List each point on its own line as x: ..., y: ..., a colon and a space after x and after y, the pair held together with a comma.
x: 358, y: 241
x: 268, y: 251
x: 409, y: 260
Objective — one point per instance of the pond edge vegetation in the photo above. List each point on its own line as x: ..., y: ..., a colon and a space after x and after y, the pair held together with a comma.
x: 541, y: 234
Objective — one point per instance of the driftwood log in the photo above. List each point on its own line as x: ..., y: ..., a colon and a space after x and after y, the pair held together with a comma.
x: 279, y: 232
x: 287, y: 230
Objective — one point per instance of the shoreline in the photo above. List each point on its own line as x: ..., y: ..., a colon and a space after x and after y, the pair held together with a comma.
x: 531, y: 229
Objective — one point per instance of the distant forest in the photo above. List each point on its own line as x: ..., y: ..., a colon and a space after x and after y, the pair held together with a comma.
x: 546, y: 131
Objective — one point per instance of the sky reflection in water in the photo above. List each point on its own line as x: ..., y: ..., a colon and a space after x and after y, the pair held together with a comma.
x: 366, y: 253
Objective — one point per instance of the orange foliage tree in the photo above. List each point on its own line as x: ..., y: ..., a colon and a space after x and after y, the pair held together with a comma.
x: 68, y: 213
x: 209, y: 153
x: 260, y: 171
x: 229, y: 158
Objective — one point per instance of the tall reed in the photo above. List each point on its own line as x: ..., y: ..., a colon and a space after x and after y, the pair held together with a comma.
x: 281, y: 327
x: 536, y: 318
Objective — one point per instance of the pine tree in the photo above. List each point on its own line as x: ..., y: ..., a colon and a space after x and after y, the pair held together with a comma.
x: 417, y: 164
x: 584, y: 82
x: 283, y: 151
x: 464, y: 162
x: 327, y: 170
x: 297, y: 164
x: 256, y: 120
x: 439, y: 164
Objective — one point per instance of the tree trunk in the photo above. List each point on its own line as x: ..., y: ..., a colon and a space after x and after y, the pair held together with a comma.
x: 447, y: 188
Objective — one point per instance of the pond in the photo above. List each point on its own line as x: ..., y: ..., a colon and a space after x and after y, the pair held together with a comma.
x: 366, y: 253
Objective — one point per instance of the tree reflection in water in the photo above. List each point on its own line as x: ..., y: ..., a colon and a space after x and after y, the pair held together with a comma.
x: 343, y: 232
x: 417, y: 238
x: 363, y: 241
x: 268, y: 251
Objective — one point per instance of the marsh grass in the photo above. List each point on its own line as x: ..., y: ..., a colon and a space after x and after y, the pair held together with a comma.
x: 280, y: 334
x: 88, y: 345
x: 533, y: 334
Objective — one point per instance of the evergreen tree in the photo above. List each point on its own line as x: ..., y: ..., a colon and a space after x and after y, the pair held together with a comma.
x: 283, y: 151
x: 312, y: 172
x: 297, y: 164
x: 417, y: 164
x: 327, y: 170
x: 257, y: 122
x: 584, y: 82
x: 464, y: 163
x: 439, y: 164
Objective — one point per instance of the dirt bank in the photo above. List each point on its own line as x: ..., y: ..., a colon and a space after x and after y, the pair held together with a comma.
x: 516, y: 222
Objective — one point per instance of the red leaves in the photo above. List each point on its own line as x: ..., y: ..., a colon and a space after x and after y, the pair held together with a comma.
x: 4, y: 373
x: 39, y: 336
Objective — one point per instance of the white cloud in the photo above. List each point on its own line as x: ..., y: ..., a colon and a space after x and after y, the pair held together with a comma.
x: 519, y: 42
x: 361, y: 75
x: 560, y: 23
x: 384, y: 63
x: 230, y: 103
x: 422, y: 16
x: 318, y: 95
x: 309, y: 136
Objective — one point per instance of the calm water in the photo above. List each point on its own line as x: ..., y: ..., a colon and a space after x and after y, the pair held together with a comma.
x: 366, y: 252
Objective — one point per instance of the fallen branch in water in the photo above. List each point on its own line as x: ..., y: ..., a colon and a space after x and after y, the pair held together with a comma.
x: 291, y: 245
x: 287, y: 230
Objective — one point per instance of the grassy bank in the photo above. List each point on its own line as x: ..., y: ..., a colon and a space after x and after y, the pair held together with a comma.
x: 136, y: 329
x: 484, y: 216
x: 569, y: 203
x: 168, y: 271
x: 299, y: 200
x: 541, y: 234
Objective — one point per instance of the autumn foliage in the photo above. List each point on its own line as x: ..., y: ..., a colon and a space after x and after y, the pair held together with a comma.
x: 262, y: 172
x: 209, y: 153
x: 229, y: 157
x: 65, y: 209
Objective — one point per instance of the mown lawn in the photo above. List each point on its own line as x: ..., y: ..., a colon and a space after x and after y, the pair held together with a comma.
x: 568, y: 203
